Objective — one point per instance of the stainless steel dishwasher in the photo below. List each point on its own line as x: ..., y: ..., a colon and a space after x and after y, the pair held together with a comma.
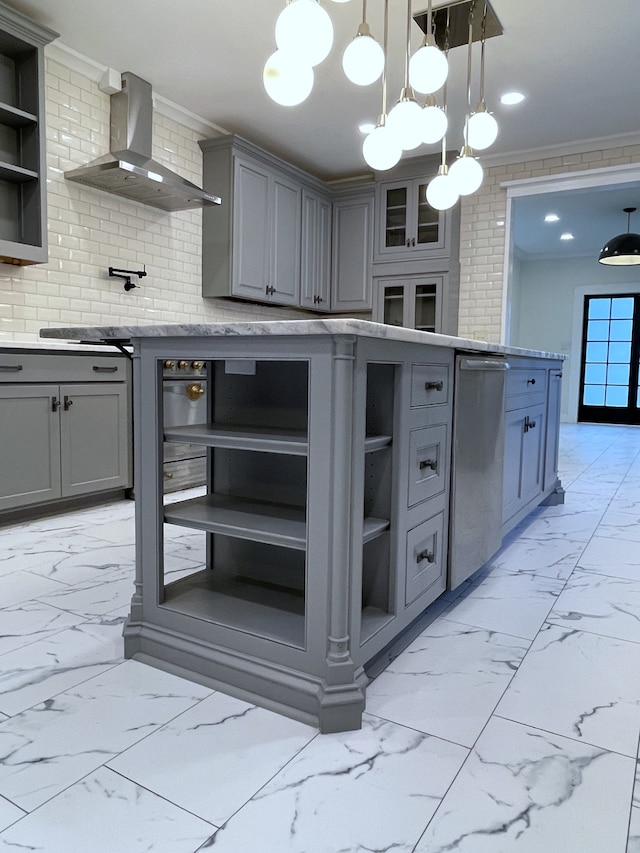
x: 477, y: 465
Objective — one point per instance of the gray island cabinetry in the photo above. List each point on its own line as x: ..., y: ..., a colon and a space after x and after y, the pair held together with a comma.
x: 322, y: 533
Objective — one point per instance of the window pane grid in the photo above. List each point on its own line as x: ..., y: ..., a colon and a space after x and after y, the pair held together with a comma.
x: 608, y: 350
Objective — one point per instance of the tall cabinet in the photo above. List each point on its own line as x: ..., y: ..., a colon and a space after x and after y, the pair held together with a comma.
x: 23, y: 209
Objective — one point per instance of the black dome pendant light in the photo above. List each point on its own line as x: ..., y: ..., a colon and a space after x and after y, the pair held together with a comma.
x: 623, y: 250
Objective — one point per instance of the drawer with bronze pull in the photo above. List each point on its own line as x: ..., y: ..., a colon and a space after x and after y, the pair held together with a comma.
x: 428, y: 467
x: 425, y: 557
x: 430, y: 384
x: 53, y: 367
x: 525, y: 385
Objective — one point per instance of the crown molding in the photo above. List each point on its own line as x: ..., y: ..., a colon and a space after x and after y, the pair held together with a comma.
x: 582, y: 147
x: 95, y: 71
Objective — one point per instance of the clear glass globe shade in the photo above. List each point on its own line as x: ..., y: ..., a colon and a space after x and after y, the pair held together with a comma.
x: 434, y: 124
x: 405, y: 121
x: 441, y: 193
x: 287, y: 80
x: 466, y: 174
x: 428, y: 69
x: 483, y: 130
x: 381, y: 149
x: 363, y: 60
x: 304, y: 28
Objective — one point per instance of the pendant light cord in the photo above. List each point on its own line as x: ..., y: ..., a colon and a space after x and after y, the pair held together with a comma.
x: 469, y: 58
x: 408, y: 53
x: 447, y: 33
x: 482, y: 41
x: 385, y: 39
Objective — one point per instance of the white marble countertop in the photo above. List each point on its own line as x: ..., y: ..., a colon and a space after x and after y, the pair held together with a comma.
x: 364, y: 328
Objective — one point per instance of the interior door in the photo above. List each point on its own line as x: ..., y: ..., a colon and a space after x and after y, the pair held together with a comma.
x: 610, y: 359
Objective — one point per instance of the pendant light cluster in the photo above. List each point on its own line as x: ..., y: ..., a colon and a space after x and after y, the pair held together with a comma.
x: 304, y: 37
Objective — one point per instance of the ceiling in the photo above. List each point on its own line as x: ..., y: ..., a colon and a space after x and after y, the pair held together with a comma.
x: 576, y: 61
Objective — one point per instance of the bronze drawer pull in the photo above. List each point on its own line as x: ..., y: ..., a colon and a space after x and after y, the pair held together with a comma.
x: 434, y: 386
x: 97, y: 369
x: 429, y: 556
x: 531, y: 381
x: 11, y: 368
x: 428, y: 463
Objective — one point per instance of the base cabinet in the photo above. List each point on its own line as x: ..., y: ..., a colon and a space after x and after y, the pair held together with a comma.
x: 532, y: 417
x: 61, y: 440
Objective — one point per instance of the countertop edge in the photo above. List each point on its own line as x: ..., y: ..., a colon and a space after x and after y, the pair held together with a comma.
x: 365, y: 328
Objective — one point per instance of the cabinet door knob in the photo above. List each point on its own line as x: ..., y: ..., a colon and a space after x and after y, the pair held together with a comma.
x: 531, y: 381
x: 68, y: 402
x: 55, y: 404
x: 434, y: 386
x: 413, y: 241
x: 195, y: 391
x: 429, y: 556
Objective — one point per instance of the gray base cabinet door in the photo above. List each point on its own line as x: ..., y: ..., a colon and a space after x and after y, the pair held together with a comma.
x: 524, y: 439
x: 29, y: 445
x: 94, y: 438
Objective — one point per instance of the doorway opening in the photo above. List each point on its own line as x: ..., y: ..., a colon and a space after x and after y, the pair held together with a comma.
x: 610, y: 360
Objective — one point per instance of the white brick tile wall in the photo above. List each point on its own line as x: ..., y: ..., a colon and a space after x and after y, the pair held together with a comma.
x: 482, y: 244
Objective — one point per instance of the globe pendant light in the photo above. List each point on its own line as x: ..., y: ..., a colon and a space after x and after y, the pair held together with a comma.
x: 466, y: 173
x: 363, y: 59
x: 441, y: 192
x: 405, y: 119
x: 434, y: 122
x: 483, y: 128
x: 428, y: 67
x: 304, y: 29
x: 623, y: 250
x: 286, y: 79
x: 381, y: 149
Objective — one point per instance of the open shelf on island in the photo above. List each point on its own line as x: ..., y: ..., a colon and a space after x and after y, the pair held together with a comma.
x: 240, y: 437
x: 263, y: 609
x: 276, y: 524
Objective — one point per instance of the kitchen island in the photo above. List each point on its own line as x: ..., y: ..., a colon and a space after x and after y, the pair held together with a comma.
x: 330, y: 497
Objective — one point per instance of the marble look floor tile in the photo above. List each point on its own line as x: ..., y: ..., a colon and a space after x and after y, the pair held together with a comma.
x: 507, y: 602
x: 373, y: 789
x: 448, y: 681
x: 577, y: 684
x: 105, y: 813
x: 41, y: 670
x: 633, y: 845
x: 214, y: 757
x: 599, y: 604
x: 54, y: 744
x: 617, y: 556
x: 574, y: 524
x: 94, y: 598
x: 8, y: 814
x: 44, y: 552
x: 90, y: 565
x: 547, y: 557
x: 19, y: 587
x: 526, y: 791
x: 621, y: 524
x: 31, y: 621
x: 117, y: 531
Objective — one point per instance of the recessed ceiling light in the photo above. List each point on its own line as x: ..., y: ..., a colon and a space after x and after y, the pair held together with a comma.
x: 366, y: 127
x: 566, y: 236
x: 511, y: 98
x: 552, y: 217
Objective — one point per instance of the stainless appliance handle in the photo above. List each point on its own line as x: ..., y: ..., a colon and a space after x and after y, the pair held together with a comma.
x: 482, y: 364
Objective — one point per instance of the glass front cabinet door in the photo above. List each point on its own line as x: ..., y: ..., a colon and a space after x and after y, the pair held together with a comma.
x: 415, y: 302
x: 408, y: 227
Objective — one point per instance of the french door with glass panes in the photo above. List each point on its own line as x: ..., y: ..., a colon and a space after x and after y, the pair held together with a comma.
x: 609, y: 390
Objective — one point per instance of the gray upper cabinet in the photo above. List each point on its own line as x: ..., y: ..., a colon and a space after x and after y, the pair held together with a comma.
x: 251, y: 245
x: 23, y: 209
x: 315, y: 275
x: 351, y: 253
x: 408, y: 228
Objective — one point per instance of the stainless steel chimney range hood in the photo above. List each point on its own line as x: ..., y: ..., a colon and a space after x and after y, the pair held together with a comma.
x: 128, y: 170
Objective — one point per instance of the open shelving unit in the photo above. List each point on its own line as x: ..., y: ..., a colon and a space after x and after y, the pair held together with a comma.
x: 23, y: 232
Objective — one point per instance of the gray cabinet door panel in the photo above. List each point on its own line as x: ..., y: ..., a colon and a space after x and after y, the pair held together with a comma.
x: 94, y: 438
x: 251, y: 232
x: 29, y: 445
x: 285, y: 271
x: 351, y: 256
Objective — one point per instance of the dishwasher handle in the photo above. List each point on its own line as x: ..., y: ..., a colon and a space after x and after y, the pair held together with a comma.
x: 490, y: 364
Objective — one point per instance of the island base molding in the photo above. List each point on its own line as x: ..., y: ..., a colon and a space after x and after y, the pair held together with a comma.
x: 304, y: 697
